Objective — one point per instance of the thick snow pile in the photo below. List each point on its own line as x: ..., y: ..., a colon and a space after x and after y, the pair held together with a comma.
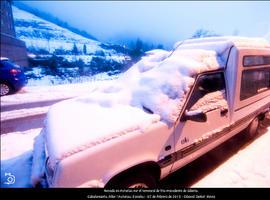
x: 221, y: 45
x: 161, y: 80
x: 158, y: 83
x: 97, y: 124
x: 220, y: 42
x: 154, y: 89
x: 38, y: 166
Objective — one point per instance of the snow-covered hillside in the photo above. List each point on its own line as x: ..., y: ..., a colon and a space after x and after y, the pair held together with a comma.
x: 42, y: 35
x: 59, y: 56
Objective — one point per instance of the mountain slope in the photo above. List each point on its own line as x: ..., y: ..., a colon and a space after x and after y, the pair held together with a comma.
x: 52, y: 19
x: 44, y: 37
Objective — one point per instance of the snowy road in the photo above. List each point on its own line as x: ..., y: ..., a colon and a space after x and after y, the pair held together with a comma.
x: 32, y: 103
x: 32, y: 95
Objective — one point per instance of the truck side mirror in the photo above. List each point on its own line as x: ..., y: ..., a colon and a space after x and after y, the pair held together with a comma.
x: 197, y: 116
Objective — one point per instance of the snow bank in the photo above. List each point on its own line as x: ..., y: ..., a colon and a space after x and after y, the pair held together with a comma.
x: 15, y: 172
x: 39, y: 157
x: 48, y: 80
x: 16, y: 158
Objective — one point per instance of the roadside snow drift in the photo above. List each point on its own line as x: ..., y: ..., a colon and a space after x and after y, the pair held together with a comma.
x: 16, y: 158
x: 152, y: 90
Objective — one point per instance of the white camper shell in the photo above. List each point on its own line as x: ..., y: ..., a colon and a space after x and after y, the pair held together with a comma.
x: 164, y: 112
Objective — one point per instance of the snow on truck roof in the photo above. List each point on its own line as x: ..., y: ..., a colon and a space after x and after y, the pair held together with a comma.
x: 161, y: 80
x: 220, y: 41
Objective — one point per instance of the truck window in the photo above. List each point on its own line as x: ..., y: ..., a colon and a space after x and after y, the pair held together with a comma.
x: 208, y: 94
x: 249, y: 61
x: 254, y: 82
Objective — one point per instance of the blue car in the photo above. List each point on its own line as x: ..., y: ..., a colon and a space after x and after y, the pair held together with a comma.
x: 12, y: 77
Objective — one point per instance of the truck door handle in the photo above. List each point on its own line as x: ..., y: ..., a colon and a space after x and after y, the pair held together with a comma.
x: 224, y: 112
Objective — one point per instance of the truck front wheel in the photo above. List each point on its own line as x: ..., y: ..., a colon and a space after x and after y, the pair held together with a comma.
x: 136, y: 180
x: 252, y: 128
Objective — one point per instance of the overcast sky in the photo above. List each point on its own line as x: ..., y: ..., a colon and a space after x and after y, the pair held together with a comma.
x: 164, y: 22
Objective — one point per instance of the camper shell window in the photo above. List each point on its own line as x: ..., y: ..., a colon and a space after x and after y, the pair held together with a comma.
x: 254, y: 82
x: 249, y: 61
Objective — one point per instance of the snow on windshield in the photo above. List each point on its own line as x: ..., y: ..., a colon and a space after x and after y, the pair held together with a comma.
x: 159, y: 82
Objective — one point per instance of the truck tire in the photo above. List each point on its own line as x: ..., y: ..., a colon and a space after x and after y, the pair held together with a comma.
x: 252, y: 129
x: 136, y: 180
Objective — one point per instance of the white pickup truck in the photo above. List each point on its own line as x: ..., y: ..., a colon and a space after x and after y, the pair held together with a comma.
x: 164, y: 112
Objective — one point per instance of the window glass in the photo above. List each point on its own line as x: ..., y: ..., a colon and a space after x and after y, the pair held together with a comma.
x: 254, y: 82
x: 256, y: 60
x: 208, y: 94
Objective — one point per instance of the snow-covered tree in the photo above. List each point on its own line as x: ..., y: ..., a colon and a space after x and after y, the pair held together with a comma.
x: 84, y: 49
x: 75, y: 49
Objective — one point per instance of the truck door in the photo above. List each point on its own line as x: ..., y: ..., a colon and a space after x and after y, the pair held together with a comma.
x: 205, y: 116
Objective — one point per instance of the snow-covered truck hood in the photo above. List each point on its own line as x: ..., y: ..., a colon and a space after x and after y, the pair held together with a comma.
x: 73, y: 125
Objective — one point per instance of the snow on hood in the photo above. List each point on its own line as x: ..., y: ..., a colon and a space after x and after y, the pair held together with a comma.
x: 72, y: 126
x: 159, y: 82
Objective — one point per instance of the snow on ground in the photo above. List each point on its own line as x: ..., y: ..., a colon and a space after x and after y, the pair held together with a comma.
x: 16, y: 158
x: 46, y: 93
x: 61, y: 38
x: 16, y: 143
x: 40, y: 34
x: 247, y: 168
x: 25, y: 112
x: 49, y: 80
